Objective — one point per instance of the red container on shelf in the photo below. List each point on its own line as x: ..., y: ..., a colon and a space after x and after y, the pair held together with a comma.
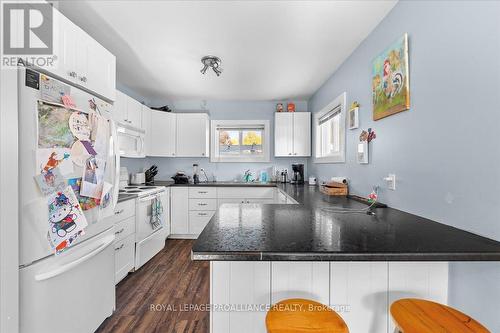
x: 290, y: 107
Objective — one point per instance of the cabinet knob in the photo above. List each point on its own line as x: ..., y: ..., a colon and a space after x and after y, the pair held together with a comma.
x: 121, y: 247
x: 202, y: 154
x: 289, y: 153
x: 83, y: 79
x: 72, y: 74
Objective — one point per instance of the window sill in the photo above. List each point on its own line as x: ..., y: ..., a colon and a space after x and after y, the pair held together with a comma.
x: 329, y: 159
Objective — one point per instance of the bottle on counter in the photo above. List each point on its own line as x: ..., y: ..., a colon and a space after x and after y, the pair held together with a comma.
x: 196, y: 177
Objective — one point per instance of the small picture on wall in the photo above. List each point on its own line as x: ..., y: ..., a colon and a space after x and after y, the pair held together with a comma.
x: 353, y: 118
x: 390, y: 82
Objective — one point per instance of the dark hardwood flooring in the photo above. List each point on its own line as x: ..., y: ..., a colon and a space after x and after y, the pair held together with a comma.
x: 170, y: 282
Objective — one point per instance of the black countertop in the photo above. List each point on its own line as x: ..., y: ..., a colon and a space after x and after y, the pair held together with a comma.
x: 312, y: 231
x: 169, y: 183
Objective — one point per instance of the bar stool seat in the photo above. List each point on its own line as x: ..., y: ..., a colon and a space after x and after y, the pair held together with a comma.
x: 413, y: 315
x: 303, y: 316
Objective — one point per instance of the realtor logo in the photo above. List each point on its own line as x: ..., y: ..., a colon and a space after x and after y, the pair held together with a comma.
x: 27, y: 29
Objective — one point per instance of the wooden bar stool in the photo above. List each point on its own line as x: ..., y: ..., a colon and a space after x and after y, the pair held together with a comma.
x: 413, y: 315
x: 303, y: 316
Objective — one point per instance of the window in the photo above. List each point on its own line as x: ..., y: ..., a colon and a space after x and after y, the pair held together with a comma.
x: 330, y: 132
x: 240, y: 141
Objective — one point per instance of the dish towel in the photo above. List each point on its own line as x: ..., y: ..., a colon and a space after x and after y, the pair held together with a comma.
x: 156, y: 213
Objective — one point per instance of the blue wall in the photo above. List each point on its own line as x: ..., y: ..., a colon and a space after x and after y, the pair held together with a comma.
x: 261, y: 110
x: 444, y: 151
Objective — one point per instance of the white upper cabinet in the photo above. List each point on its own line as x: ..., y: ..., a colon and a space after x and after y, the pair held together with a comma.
x: 82, y: 60
x: 146, y: 126
x: 120, y: 108
x: 301, y: 133
x: 134, y: 113
x: 101, y: 70
x: 162, y: 134
x: 292, y: 134
x: 192, y: 135
x: 127, y: 110
x: 283, y: 134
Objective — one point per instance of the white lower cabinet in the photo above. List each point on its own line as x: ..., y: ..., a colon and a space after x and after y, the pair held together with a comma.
x: 240, y: 293
x: 198, y: 220
x: 124, y: 257
x: 124, y: 244
x: 194, y: 206
x: 179, y: 211
x: 360, y: 292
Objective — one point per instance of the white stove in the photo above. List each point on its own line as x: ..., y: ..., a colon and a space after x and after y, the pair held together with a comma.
x: 149, y: 237
x: 141, y: 190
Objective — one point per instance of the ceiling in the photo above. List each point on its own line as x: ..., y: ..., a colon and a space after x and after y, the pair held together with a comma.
x: 270, y: 50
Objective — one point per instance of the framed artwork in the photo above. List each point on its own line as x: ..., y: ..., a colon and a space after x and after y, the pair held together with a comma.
x: 353, y: 118
x: 390, y: 80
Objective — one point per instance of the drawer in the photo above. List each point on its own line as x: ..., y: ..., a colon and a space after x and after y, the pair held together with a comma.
x: 198, y: 220
x: 125, y: 228
x: 124, y: 257
x: 123, y: 210
x: 203, y: 192
x: 202, y: 204
x: 246, y: 192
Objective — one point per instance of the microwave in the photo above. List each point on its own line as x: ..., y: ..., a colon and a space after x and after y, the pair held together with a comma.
x: 130, y: 141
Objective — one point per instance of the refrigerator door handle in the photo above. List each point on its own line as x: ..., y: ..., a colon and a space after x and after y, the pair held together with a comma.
x: 64, y: 268
x: 116, y: 153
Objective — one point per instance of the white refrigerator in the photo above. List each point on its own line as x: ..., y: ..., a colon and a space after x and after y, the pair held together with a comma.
x: 73, y: 291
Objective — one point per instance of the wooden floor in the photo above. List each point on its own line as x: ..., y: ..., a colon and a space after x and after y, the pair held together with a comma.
x: 170, y: 282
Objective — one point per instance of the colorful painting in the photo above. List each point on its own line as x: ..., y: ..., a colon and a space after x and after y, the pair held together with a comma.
x: 53, y: 126
x: 86, y: 203
x: 390, y: 80
x: 66, y: 219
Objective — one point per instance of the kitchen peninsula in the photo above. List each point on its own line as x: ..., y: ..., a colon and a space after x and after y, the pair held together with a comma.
x: 357, y: 263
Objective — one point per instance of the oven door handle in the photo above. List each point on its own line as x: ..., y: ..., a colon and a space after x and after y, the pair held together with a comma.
x: 150, y: 197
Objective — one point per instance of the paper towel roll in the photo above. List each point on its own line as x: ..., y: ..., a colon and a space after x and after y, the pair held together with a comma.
x: 342, y: 180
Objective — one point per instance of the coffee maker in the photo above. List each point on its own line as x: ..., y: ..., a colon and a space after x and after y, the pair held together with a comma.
x: 298, y: 174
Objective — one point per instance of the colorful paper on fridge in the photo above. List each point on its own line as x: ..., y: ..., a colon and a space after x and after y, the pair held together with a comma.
x: 48, y: 159
x: 50, y: 181
x: 86, y: 203
x: 53, y: 126
x: 93, y: 178
x: 66, y: 219
x: 52, y: 90
x: 79, y: 125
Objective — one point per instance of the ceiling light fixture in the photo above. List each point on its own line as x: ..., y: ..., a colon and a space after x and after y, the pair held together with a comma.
x: 211, y: 61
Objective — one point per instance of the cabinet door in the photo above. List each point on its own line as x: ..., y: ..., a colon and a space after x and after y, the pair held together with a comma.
x: 66, y: 62
x: 120, y: 108
x: 83, y: 45
x: 146, y: 126
x: 283, y: 134
x: 192, y: 135
x: 134, y: 112
x: 162, y: 134
x: 101, y: 72
x: 302, y: 134
x: 180, y: 211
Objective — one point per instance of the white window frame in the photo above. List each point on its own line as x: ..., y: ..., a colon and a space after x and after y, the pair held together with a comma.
x: 338, y: 157
x: 214, y: 141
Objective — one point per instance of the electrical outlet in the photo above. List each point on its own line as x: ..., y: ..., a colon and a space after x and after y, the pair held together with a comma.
x: 391, y: 181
